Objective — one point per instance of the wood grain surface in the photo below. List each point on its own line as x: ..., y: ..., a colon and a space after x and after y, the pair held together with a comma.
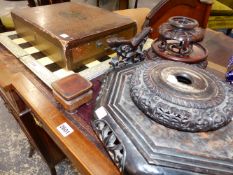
x: 85, y: 155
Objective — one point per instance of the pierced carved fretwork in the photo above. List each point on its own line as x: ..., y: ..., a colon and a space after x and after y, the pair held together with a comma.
x: 112, y: 144
x: 128, y: 51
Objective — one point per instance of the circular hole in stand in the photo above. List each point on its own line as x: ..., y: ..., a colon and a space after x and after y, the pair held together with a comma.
x: 184, y: 78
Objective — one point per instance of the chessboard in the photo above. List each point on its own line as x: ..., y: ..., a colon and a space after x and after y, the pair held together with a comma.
x: 43, y: 67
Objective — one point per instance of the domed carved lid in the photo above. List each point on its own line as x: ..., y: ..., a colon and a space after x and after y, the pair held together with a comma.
x: 181, y: 96
x: 178, y: 40
x: 182, y: 28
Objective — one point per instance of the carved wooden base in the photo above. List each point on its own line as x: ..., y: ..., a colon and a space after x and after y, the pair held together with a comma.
x: 139, y: 145
x: 196, y: 53
x: 181, y: 96
x: 151, y: 55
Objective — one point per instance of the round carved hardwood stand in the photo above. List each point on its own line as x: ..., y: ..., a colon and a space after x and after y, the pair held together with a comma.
x: 181, y: 96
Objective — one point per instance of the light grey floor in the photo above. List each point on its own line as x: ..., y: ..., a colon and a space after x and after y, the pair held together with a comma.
x: 14, y: 151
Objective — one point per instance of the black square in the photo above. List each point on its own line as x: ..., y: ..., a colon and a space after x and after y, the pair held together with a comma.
x: 15, y: 36
x: 53, y: 67
x: 38, y: 55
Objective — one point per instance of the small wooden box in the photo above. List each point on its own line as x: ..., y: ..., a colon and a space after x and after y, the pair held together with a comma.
x: 72, y: 34
x: 72, y: 91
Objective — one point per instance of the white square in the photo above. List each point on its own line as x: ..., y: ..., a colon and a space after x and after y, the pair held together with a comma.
x: 101, y: 112
x: 45, y: 61
x: 65, y: 129
x: 92, y: 64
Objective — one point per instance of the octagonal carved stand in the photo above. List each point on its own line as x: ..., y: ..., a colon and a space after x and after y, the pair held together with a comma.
x: 139, y: 144
x: 179, y: 41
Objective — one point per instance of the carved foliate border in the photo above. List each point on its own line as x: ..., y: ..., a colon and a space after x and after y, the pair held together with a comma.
x: 183, y: 118
x: 112, y: 144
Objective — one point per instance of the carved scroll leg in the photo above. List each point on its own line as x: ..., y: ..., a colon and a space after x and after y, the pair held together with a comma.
x: 53, y: 170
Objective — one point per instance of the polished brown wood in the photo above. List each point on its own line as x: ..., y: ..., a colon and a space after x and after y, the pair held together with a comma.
x: 71, y: 86
x: 66, y: 32
x: 36, y: 135
x: 72, y: 105
x: 72, y: 91
x: 168, y: 8
x: 84, y: 154
x: 87, y: 158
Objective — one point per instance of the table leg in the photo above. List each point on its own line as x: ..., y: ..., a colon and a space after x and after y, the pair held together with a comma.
x: 52, y: 170
x: 31, y: 152
x: 136, y: 4
x: 123, y: 4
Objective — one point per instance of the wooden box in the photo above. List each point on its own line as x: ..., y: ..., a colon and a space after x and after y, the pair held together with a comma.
x: 72, y: 91
x: 71, y: 34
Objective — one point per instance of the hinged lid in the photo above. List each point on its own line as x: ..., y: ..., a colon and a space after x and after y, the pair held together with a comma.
x: 74, y: 22
x: 71, y: 86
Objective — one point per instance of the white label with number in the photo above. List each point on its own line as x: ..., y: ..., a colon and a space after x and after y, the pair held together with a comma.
x: 101, y: 112
x: 65, y: 129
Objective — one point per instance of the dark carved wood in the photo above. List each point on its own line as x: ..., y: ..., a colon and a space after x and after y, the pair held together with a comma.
x: 181, y: 28
x: 113, y: 145
x: 168, y: 8
x: 178, y: 41
x: 69, y: 39
x: 151, y: 55
x: 182, y: 97
x: 158, y: 149
x: 128, y: 51
x: 194, y: 54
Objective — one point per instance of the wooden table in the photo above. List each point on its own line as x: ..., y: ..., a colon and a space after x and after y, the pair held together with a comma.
x: 35, y: 109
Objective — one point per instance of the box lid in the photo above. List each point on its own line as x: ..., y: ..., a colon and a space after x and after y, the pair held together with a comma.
x: 71, y: 86
x: 69, y: 22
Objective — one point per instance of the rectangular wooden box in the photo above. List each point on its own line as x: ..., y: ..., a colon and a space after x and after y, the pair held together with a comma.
x: 71, y: 34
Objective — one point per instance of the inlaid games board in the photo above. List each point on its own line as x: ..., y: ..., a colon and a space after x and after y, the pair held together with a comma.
x: 43, y: 67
